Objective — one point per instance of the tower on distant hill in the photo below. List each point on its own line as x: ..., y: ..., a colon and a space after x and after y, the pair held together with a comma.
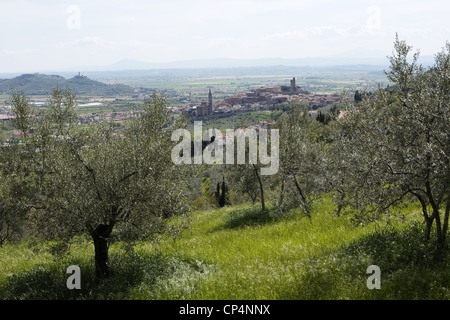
x: 209, y: 102
x: 293, y: 86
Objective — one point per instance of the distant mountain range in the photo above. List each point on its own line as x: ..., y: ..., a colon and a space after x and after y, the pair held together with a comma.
x: 356, y: 56
x: 127, y: 64
x: 42, y: 84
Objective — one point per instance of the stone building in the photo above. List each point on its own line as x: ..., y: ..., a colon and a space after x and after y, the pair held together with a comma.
x: 293, y: 86
x: 205, y: 108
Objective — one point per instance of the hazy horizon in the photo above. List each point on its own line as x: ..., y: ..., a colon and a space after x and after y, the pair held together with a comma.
x: 44, y: 35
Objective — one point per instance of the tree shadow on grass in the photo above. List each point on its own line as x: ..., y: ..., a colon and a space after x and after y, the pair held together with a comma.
x: 48, y: 281
x: 38, y: 283
x: 248, y: 217
x: 409, y: 269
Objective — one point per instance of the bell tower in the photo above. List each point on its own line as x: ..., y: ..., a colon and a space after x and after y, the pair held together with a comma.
x: 209, y: 102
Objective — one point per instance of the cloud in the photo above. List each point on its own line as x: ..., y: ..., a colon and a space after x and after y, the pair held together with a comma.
x: 319, y: 31
x: 18, y: 52
x: 221, y: 41
x: 86, y: 42
x: 100, y: 43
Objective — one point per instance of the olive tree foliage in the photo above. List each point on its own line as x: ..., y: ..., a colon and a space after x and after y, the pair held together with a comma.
x: 14, y: 187
x: 247, y: 180
x: 21, y: 111
x: 396, y: 143
x: 302, y: 150
x: 97, y: 180
x: 15, y: 192
x: 244, y: 181
x: 12, y: 213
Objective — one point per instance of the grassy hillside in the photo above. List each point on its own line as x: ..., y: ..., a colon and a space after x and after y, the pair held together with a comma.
x: 239, y: 253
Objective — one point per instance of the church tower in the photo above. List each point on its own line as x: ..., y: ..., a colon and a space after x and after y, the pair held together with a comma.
x: 209, y: 102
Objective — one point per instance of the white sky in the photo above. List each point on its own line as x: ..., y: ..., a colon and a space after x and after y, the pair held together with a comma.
x: 42, y: 35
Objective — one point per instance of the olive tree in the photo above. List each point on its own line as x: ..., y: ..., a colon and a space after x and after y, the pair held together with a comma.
x: 12, y: 212
x: 15, y: 187
x: 250, y: 175
x: 244, y: 181
x: 398, y: 141
x: 301, y: 152
x: 97, y: 179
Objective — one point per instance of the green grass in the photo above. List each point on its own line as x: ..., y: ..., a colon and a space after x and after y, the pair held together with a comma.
x: 239, y: 253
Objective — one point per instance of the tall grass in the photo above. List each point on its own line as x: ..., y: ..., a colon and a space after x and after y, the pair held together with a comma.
x: 239, y: 253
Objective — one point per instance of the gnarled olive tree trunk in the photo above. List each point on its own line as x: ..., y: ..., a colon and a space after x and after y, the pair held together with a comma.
x: 100, y: 236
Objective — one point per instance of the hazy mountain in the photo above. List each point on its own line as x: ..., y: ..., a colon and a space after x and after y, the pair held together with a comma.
x: 351, y: 60
x: 358, y: 56
x: 232, y: 63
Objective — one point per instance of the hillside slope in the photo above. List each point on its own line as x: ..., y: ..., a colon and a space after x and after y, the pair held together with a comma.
x: 42, y: 84
x: 239, y: 253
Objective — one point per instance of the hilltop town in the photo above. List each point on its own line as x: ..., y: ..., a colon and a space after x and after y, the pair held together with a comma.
x: 258, y: 98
